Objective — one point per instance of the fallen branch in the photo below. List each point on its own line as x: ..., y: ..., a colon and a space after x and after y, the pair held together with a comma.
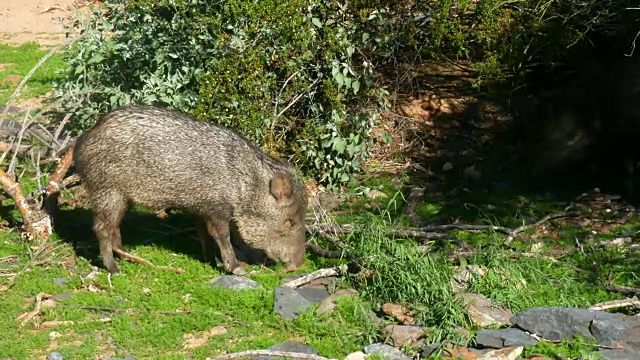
x: 523, y: 228
x: 126, y: 310
x: 615, y: 304
x: 28, y: 316
x: 52, y: 191
x: 36, y: 223
x: 329, y: 254
x: 322, y: 273
x: 279, y: 354
x: 624, y: 290
x: 140, y: 260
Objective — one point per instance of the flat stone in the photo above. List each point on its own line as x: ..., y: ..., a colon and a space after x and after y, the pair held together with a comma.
x: 63, y: 296
x: 385, y: 351
x: 329, y: 304
x: 290, y: 346
x: 60, y: 281
x: 624, y: 331
x: 497, y: 339
x: 612, y: 354
x: 557, y: 323
x: 234, y: 282
x: 483, y: 312
x: 404, y: 334
x: 289, y: 303
x: 55, y: 356
x: 314, y: 295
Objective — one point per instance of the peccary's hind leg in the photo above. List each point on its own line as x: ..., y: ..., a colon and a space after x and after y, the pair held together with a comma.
x: 219, y: 230
x: 109, y: 208
x: 209, y: 254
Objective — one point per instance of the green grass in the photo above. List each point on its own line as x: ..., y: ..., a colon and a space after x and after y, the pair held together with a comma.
x: 141, y: 306
x: 152, y: 329
x: 18, y: 61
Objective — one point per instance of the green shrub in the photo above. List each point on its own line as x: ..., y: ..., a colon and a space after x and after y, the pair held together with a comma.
x: 289, y: 75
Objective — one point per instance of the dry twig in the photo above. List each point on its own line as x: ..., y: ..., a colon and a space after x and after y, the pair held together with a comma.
x: 318, y: 274
x: 615, y: 304
x: 140, y: 260
x: 523, y: 228
x: 624, y: 290
x: 280, y: 354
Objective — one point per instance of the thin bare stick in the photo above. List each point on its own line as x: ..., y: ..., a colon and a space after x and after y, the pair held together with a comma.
x: 275, y: 109
x: 140, y: 260
x: 624, y: 290
x: 295, y: 99
x: 615, y: 304
x: 318, y: 274
x: 26, y: 317
x: 30, y: 73
x: 330, y: 254
x: 523, y: 228
x: 280, y: 354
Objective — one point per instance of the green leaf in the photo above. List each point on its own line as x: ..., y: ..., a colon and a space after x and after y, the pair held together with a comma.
x: 95, y: 59
x: 356, y: 86
x: 339, y: 78
x: 316, y: 22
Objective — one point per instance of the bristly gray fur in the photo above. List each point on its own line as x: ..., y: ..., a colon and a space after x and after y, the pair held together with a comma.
x: 161, y: 158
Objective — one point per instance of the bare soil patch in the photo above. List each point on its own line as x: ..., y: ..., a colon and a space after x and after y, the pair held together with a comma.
x: 40, y: 21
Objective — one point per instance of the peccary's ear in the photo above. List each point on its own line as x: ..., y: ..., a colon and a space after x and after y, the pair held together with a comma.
x: 280, y: 186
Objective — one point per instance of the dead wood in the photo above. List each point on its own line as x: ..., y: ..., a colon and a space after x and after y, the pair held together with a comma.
x: 36, y: 223
x: 330, y: 254
x: 523, y: 228
x: 142, y: 261
x: 277, y: 354
x: 624, y: 290
x: 318, y: 274
x: 52, y: 191
x: 615, y: 304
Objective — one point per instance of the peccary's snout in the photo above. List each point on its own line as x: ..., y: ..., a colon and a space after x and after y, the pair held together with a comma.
x: 294, y: 260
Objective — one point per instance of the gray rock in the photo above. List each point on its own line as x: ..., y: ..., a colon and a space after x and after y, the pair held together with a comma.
x: 289, y: 303
x: 60, y: 281
x: 63, y: 296
x: 610, y: 354
x: 498, y: 339
x: 234, y: 282
x: 328, y: 305
x: 557, y: 323
x: 386, y: 351
x: 429, y: 349
x: 404, y: 334
x: 291, y: 346
x: 314, y: 295
x: 55, y: 356
x: 623, y: 330
x: 483, y: 312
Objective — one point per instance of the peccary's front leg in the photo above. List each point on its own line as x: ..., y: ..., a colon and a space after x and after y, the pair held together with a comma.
x: 219, y: 230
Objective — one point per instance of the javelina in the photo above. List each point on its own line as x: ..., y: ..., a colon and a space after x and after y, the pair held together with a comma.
x: 161, y: 158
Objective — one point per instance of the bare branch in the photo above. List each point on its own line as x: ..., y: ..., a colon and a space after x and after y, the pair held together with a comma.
x: 318, y: 274
x: 280, y: 354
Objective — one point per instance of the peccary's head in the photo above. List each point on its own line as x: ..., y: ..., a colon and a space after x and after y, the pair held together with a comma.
x: 274, y: 223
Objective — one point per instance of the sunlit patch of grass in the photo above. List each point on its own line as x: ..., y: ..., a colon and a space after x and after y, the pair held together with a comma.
x: 17, y: 61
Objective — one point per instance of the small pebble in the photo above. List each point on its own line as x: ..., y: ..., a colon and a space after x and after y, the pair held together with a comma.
x: 55, y: 356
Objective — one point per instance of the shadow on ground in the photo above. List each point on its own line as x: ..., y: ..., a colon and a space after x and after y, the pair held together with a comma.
x: 545, y: 142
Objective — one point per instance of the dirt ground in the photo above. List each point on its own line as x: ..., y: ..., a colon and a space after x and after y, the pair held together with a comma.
x: 37, y: 20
